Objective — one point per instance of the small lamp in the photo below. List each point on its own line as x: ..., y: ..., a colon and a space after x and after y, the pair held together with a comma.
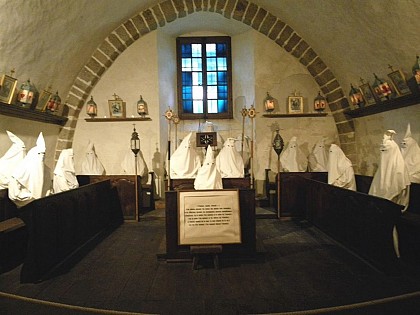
x: 26, y: 94
x: 382, y: 88
x: 356, y: 97
x: 135, y: 142
x: 54, y: 103
x: 320, y: 103
x: 142, y: 107
x: 91, y: 108
x: 268, y: 103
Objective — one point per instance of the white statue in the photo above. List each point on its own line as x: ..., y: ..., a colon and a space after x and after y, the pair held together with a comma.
x: 229, y: 162
x: 128, y: 165
x: 91, y: 165
x: 292, y: 158
x: 185, y: 161
x: 411, y: 153
x: 11, y: 159
x: 64, y: 174
x: 208, y: 176
x: 318, y: 158
x: 340, y: 169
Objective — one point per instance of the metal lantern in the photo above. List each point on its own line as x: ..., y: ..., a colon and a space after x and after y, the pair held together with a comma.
x: 356, y: 97
x: 320, y: 102
x: 382, y: 88
x: 54, y: 103
x: 142, y: 107
x: 26, y: 94
x: 91, y: 108
x: 278, y: 143
x: 135, y: 142
x: 268, y: 103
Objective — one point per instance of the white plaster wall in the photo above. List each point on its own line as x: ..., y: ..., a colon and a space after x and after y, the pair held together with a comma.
x: 133, y: 74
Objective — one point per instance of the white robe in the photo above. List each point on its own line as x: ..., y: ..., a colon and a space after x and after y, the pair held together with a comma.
x: 246, y: 156
x: 229, y: 162
x: 411, y: 153
x: 208, y: 176
x: 292, y: 158
x: 31, y: 179
x: 318, y: 159
x: 128, y: 165
x: 91, y: 165
x: 340, y: 169
x: 185, y: 161
x: 64, y: 174
x: 11, y: 159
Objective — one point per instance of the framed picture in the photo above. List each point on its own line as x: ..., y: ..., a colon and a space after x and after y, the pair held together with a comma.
x: 368, y: 94
x: 116, y: 108
x: 399, y: 82
x: 44, y: 97
x: 7, y: 89
x: 205, y: 139
x: 295, y: 104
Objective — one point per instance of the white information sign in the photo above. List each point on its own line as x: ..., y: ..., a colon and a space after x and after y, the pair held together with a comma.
x: 209, y: 217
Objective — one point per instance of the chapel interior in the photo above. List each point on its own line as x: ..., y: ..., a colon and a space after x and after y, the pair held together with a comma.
x: 113, y: 244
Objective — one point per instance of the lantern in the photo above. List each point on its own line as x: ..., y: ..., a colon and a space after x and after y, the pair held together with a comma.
x: 26, y: 94
x: 142, y: 107
x: 382, y: 88
x: 356, y: 97
x: 320, y: 103
x: 269, y: 103
x: 135, y: 142
x: 91, y: 108
x: 54, y: 103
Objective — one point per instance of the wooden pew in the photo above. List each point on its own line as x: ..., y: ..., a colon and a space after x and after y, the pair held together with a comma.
x: 62, y: 226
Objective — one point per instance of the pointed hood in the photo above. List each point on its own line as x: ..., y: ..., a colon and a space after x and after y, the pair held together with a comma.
x: 185, y: 161
x: 64, y: 173
x: 340, y: 169
x: 11, y: 159
x: 411, y: 153
x: 208, y: 176
x: 229, y: 162
x: 91, y: 165
x: 292, y: 158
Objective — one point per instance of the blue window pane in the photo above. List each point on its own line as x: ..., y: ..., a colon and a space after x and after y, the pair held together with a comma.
x: 211, y: 78
x: 196, y: 50
x: 222, y: 92
x: 186, y: 78
x: 197, y: 78
x: 222, y: 78
x: 211, y: 50
x: 197, y: 92
x: 186, y: 93
x: 222, y: 106
x: 185, y: 50
x: 221, y: 50
x: 197, y: 64
x: 186, y: 64
x: 221, y: 64
x: 198, y: 107
x: 212, y: 106
x: 212, y: 92
x: 188, y: 107
x: 211, y: 64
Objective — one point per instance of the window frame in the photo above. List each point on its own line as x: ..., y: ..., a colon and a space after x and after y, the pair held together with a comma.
x: 204, y: 40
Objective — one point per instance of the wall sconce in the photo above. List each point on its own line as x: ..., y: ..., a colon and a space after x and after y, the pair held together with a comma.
x: 320, y: 103
x: 142, y: 107
x: 54, y: 103
x: 91, y: 108
x: 356, y: 97
x: 268, y: 103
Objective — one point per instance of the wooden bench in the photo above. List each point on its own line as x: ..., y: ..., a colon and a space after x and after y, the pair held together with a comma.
x: 13, y: 241
x: 198, y: 251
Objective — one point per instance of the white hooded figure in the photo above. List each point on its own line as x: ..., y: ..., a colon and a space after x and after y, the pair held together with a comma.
x: 185, y: 161
x: 411, y: 153
x: 229, y: 162
x: 31, y: 179
x: 318, y: 158
x: 208, y: 176
x: 340, y: 169
x: 11, y: 159
x: 64, y: 173
x: 245, y: 149
x: 91, y: 165
x: 128, y: 165
x: 293, y: 159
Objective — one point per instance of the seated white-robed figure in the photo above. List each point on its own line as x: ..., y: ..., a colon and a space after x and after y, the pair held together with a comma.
x: 244, y: 149
x: 11, y: 159
x: 64, y: 174
x: 292, y: 158
x: 185, y: 161
x: 318, y: 158
x: 411, y: 153
x: 208, y: 176
x: 128, y: 165
x: 229, y: 162
x: 32, y: 178
x: 340, y: 169
x: 91, y: 165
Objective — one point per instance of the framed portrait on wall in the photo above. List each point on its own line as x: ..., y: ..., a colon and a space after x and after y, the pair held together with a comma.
x: 399, y: 82
x: 295, y: 104
x: 368, y: 94
x: 116, y: 108
x: 7, y: 89
x: 44, y: 97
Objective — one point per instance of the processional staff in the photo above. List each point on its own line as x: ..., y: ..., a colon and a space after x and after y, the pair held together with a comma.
x: 168, y: 115
x: 278, y: 145
x: 252, y: 113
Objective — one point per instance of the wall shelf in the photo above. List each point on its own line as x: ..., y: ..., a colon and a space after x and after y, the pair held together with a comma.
x: 278, y: 115
x: 400, y: 102
x: 117, y: 119
x: 31, y: 114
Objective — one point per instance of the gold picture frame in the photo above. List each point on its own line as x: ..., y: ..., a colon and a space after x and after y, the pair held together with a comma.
x: 368, y: 94
x: 399, y: 82
x: 43, y: 100
x: 295, y: 104
x: 7, y: 89
x: 116, y: 108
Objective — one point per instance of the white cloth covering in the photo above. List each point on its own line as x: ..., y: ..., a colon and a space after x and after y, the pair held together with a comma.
x: 31, y: 179
x: 185, y: 161
x: 128, y: 165
x: 229, y: 162
x: 292, y: 158
x: 391, y: 180
x: 91, y: 165
x: 11, y: 159
x: 208, y: 176
x: 340, y: 169
x: 411, y: 153
x: 246, y: 150
x: 64, y: 174
x: 318, y: 158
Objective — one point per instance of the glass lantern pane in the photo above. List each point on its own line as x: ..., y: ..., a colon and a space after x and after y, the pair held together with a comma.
x: 196, y: 50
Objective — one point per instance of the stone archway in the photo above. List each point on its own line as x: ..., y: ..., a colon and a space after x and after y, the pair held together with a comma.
x: 241, y: 10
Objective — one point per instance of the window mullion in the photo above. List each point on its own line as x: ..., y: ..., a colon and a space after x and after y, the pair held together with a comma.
x: 204, y: 74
